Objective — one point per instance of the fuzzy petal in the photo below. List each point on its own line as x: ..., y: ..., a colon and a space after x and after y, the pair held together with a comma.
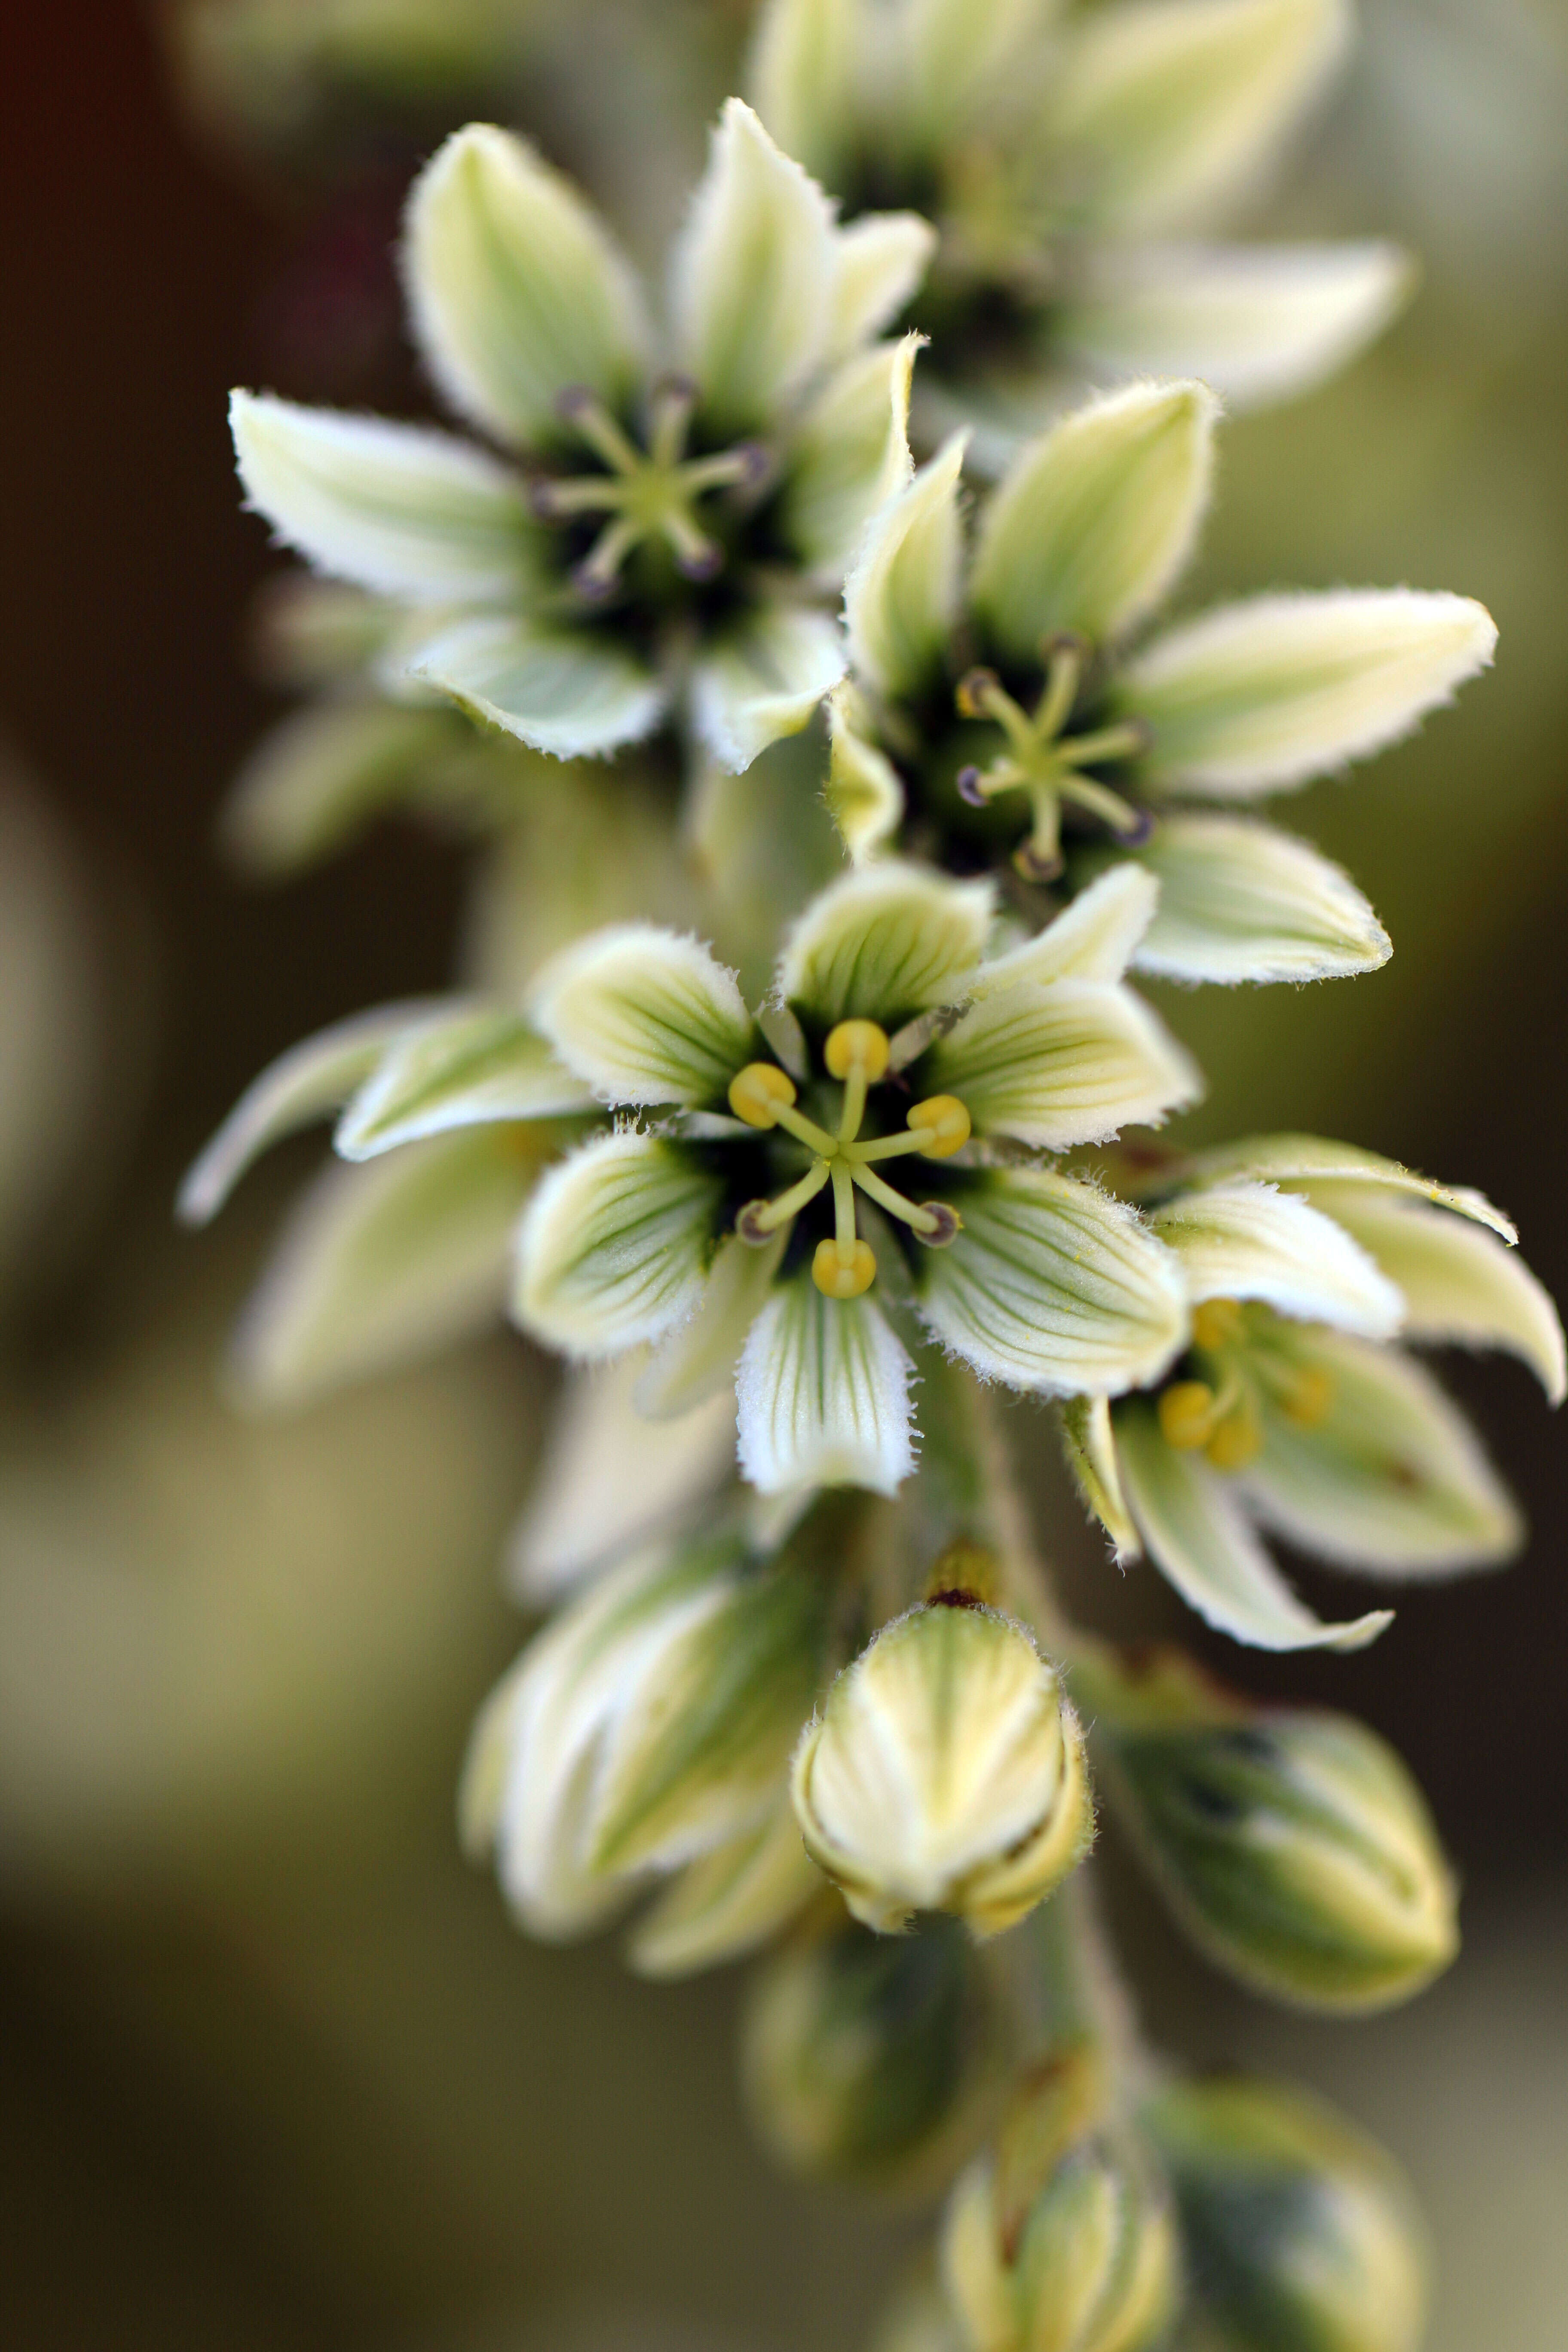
x: 964, y: 62
x: 1248, y: 1241
x: 824, y: 1390
x: 864, y: 794
x: 1240, y: 901
x: 1308, y: 1160
x: 572, y: 693
x: 886, y: 942
x: 851, y: 456
x: 316, y: 778
x: 1090, y: 1442
x: 645, y: 1017
x: 726, y: 1902
x: 698, y: 1360
x: 1055, y: 1066
x: 902, y: 598
x: 474, y: 1068
x: 765, y: 682
x: 878, y: 263
x: 615, y: 1246
x: 803, y: 78
x: 1096, y: 938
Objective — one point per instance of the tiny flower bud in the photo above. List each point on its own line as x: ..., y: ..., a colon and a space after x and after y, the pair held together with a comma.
x: 856, y: 1045
x: 945, y: 1772
x: 757, y: 1093
x: 843, y: 1270
x: 943, y: 1123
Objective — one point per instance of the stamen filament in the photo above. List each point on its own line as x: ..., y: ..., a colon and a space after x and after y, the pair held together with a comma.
x: 595, y: 575
x: 854, y: 1105
x: 1127, y: 822
x: 1063, y: 672
x: 921, y: 1220
x: 592, y: 421
x: 883, y: 1147
x: 844, y: 1231
x: 789, y: 1205
x: 806, y: 1130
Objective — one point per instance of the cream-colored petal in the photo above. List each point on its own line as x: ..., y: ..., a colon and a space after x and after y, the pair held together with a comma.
x: 879, y: 261
x: 1068, y: 1064
x: 901, y: 597
x: 574, y: 693
x: 615, y: 1246
x: 645, y: 1017
x: 476, y: 1066
x: 824, y: 1393
x: 850, y: 456
x: 886, y: 942
x: 1240, y: 901
x: 763, y: 682
x: 1096, y: 938
x: 1248, y: 1241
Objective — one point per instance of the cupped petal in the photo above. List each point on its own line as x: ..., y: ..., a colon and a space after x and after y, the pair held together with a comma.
x: 1054, y: 1287
x: 803, y: 78
x: 1249, y: 1241
x: 726, y: 1902
x: 878, y: 262
x: 1258, y: 322
x: 1174, y: 106
x: 477, y: 1066
x: 1311, y: 1160
x: 1071, y: 1063
x: 306, y: 1083
x: 395, y: 508
x: 517, y: 289
x: 901, y: 597
x: 644, y: 1016
x: 824, y: 1393
x: 1261, y: 695
x: 1095, y: 938
x: 752, y: 278
x: 850, y: 456
x: 886, y: 942
x: 614, y: 1246
x: 698, y: 1360
x: 321, y: 775
x: 1460, y: 1283
x: 863, y: 794
x: 575, y: 693
x: 1088, y: 1441
x: 764, y: 681
x: 1240, y: 901
x: 1392, y: 1479
x: 1096, y: 519
x: 378, y: 1266
x: 1198, y: 1536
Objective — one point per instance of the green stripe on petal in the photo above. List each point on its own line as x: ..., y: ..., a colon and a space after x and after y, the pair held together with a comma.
x: 1240, y: 901
x: 902, y: 598
x: 1089, y: 1443
x: 726, y: 1902
x: 1055, y: 1066
x: 1094, y: 939
x: 1248, y: 1241
x: 475, y: 1067
x: 574, y: 694
x: 698, y: 1360
x: 884, y: 942
x: 616, y: 1245
x: 395, y: 508
x: 824, y: 1394
x: 1198, y: 1536
x: 1096, y: 519
x: 850, y: 456
x: 645, y: 1017
x: 763, y: 682
x: 1261, y: 696
x: 1311, y: 1160
x: 517, y: 289
x: 1053, y: 1287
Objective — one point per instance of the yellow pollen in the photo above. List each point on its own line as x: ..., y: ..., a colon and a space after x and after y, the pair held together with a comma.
x: 1309, y: 1398
x: 1186, y: 1411
x: 1238, y: 1439
x: 1216, y: 1322
x: 843, y: 1269
x: 759, y: 1092
x: 856, y: 1046
x: 942, y: 1123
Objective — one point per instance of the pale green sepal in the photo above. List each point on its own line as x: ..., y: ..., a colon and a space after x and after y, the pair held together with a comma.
x: 803, y: 78
x: 312, y: 1079
x: 1089, y: 1444
x: 1240, y: 901
x: 380, y: 1265
x: 886, y: 942
x: 878, y: 262
x: 864, y: 794
x: 567, y: 693
x: 728, y: 1902
x: 698, y: 1360
x: 610, y: 1479
x: 396, y: 507
x: 1460, y: 1284
x: 1095, y: 938
x: 473, y: 1067
x: 1199, y: 1538
x: 644, y: 1016
x: 966, y: 67
x: 1174, y: 105
x: 1295, y: 1160
x: 323, y: 772
x: 1248, y: 1241
x: 764, y: 681
x: 1053, y: 1287
x: 1068, y: 1064
x: 1259, y: 697
x: 1260, y: 323
x: 824, y: 1394
x: 851, y: 456
x: 1095, y: 520
x: 1391, y: 1480
x: 752, y: 278
x: 516, y: 288
x: 901, y: 597
x: 614, y: 1246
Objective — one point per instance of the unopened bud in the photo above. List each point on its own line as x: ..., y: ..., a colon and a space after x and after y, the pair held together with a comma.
x: 1300, y: 2234
x: 945, y: 1772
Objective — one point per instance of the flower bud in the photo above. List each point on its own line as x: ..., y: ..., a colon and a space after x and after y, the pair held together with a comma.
x: 1292, y: 1844
x: 945, y: 1772
x: 871, y: 2056
x: 1301, y: 2234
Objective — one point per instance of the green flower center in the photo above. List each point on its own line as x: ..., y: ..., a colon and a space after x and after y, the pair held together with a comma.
x: 1046, y: 764
x: 1219, y: 1407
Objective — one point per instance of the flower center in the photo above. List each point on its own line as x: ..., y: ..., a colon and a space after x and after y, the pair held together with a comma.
x: 1222, y: 1412
x: 1047, y: 765
x: 856, y: 1052
x: 644, y: 495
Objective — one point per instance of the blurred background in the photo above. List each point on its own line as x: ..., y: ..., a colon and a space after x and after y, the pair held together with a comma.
x: 276, y: 2072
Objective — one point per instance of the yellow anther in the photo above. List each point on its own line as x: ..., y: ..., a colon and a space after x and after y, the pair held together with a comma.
x: 760, y: 1092
x: 1186, y: 1411
x: 856, y: 1046
x: 1238, y: 1441
x: 843, y: 1270
x: 1307, y: 1397
x: 1216, y: 1323
x: 942, y: 1123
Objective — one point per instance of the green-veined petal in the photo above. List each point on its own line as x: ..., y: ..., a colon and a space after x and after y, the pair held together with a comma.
x: 698, y: 1360
x: 729, y: 1902
x: 615, y: 1246
x: 824, y: 1393
x: 478, y: 1065
x: 1094, y: 938
x: 1311, y: 1160
x: 850, y: 456
x: 886, y: 942
x: 1068, y: 1064
x: 1090, y: 1442
x: 764, y: 681
x: 901, y: 597
x: 1248, y: 1241
x: 803, y: 78
x: 645, y: 1017
x: 576, y: 694
x: 1240, y: 901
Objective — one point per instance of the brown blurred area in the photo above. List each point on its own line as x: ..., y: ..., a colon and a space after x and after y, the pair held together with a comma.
x: 274, y: 2070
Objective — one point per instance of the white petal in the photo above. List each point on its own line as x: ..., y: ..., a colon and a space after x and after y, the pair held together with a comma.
x: 886, y: 942
x: 380, y: 1265
x: 1308, y: 1160
x: 572, y: 693
x: 966, y: 64
x: 645, y: 1017
x: 305, y: 1084
x: 698, y: 1360
x: 878, y: 263
x: 1258, y: 322
x: 1266, y: 694
x: 475, y: 1067
x: 1054, y: 1287
x: 1071, y: 1063
x: 726, y: 1902
x: 517, y: 289
x: 1096, y: 519
x: 1241, y: 901
x: 314, y: 779
x: 614, y: 1246
x: 1173, y: 105
x: 392, y: 506
x: 901, y: 597
x: 803, y: 78
x: 1095, y: 939
x: 752, y: 278
x: 850, y: 456
x: 1393, y: 1480
x: 824, y: 1391
x: 1248, y: 1241
x: 1090, y: 1442
x: 1199, y: 1537
x: 765, y: 682
x: 610, y: 1479
x: 1460, y: 1283
x: 864, y: 794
